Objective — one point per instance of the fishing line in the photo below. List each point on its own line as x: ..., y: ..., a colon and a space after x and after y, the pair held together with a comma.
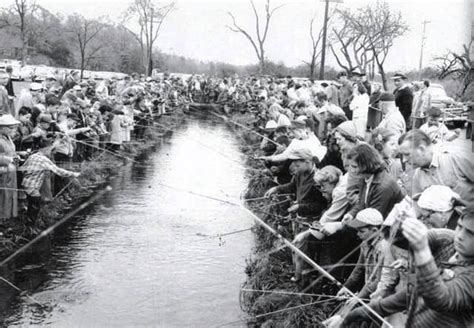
x: 246, y: 128
x: 295, y: 293
x: 21, y: 291
x: 290, y: 245
x: 47, y: 231
x: 274, y: 312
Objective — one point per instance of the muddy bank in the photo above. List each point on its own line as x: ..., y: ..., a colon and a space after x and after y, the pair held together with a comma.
x: 268, y: 296
x: 94, y: 176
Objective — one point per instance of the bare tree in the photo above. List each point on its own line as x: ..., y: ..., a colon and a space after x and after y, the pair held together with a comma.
x: 84, y: 31
x: 371, y: 31
x: 258, y: 41
x: 316, y: 49
x: 18, y: 16
x: 149, y: 17
x: 349, y: 49
x: 379, y: 26
x: 458, y: 65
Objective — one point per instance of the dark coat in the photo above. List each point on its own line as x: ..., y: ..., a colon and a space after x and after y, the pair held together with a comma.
x: 308, y: 196
x: 384, y: 193
x: 404, y: 101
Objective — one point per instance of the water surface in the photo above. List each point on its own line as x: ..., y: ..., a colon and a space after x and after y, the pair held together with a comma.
x: 139, y: 257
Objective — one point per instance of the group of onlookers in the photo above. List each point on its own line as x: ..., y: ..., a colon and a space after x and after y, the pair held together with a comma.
x: 357, y: 160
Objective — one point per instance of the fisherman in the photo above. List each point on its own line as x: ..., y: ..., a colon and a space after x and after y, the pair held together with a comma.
x: 309, y: 200
x: 367, y: 271
x: 34, y: 175
x: 8, y: 174
x: 444, y: 291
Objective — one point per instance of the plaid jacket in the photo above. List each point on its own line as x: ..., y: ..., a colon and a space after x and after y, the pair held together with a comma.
x: 35, y: 169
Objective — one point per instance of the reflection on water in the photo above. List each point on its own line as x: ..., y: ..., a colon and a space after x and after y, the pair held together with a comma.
x: 138, y: 257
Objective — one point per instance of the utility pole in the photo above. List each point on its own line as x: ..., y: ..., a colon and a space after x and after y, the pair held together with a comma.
x: 325, y: 30
x: 423, y: 38
x: 323, y: 49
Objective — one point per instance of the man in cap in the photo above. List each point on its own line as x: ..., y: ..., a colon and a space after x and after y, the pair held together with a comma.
x: 367, y: 223
x: 437, y: 207
x: 440, y: 298
x: 403, y: 96
x: 309, y: 200
x: 29, y: 98
x: 361, y: 76
x: 303, y: 137
x: 392, y: 118
x: 435, y: 167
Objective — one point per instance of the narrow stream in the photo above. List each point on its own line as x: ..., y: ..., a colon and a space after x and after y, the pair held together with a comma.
x: 140, y: 256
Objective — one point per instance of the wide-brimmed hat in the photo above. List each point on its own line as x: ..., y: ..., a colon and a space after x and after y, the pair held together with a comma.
x: 366, y: 217
x: 8, y: 120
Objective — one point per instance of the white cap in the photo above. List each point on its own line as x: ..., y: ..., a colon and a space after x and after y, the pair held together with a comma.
x: 438, y: 198
x: 271, y: 125
x: 368, y: 216
x: 35, y: 86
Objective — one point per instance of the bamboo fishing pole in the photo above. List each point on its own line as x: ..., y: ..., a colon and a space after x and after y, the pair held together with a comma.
x: 291, y: 246
x: 47, y: 231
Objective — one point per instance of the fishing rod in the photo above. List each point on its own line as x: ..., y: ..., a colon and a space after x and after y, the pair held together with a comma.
x: 47, y: 231
x: 246, y: 128
x: 275, y: 312
x: 294, y: 293
x: 21, y: 291
x: 104, y: 149
x: 291, y: 246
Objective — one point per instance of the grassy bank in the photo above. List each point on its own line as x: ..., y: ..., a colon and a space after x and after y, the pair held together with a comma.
x: 268, y: 296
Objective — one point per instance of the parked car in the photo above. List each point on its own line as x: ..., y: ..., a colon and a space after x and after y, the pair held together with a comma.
x: 41, y: 72
x: 455, y: 113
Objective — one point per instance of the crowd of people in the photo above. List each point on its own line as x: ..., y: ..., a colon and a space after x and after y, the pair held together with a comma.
x: 50, y: 126
x: 356, y: 160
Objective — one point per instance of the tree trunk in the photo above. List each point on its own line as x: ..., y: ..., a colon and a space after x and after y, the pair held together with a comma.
x: 384, y: 78
x: 82, y: 64
x: 23, y: 46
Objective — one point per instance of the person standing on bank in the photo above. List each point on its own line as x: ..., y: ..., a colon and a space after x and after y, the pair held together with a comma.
x: 359, y: 107
x: 345, y: 93
x: 403, y: 96
x: 8, y: 183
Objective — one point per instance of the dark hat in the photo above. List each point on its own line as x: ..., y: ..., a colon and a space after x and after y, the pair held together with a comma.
x: 398, y: 76
x: 9, y: 68
x: 358, y: 73
x: 387, y: 96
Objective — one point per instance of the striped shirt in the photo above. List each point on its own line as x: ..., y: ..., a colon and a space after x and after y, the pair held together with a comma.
x: 35, y: 169
x: 446, y: 297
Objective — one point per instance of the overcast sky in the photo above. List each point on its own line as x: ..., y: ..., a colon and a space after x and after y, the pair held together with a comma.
x: 197, y: 28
